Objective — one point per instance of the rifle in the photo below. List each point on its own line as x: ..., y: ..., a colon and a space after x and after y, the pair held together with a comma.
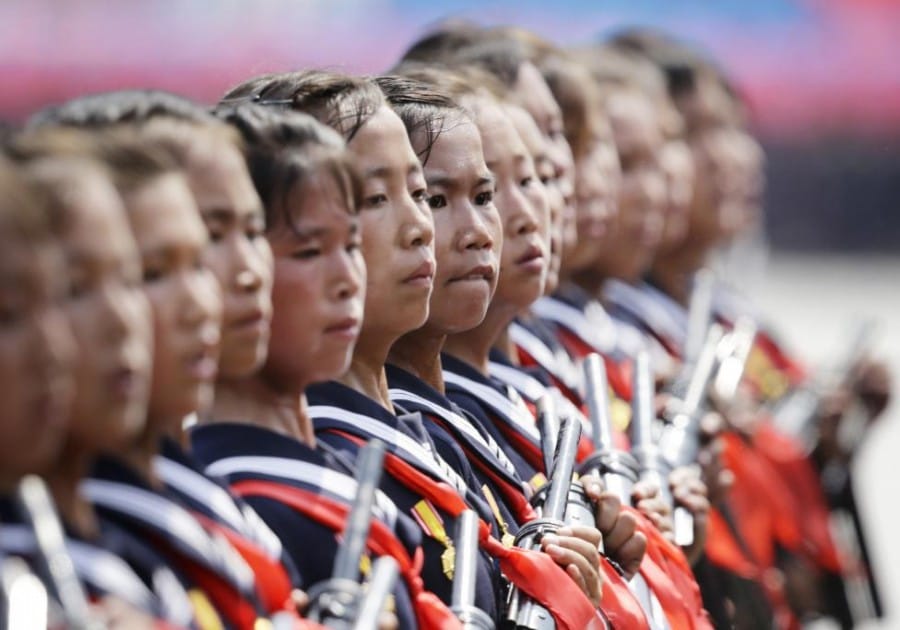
x: 617, y: 468
x: 464, y: 571
x: 699, y: 319
x: 64, y: 585
x: 336, y: 602
x: 24, y: 604
x: 798, y: 413
x: 381, y: 584
x: 523, y: 612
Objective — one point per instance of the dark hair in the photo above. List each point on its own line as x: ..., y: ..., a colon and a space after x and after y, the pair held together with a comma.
x: 444, y: 42
x: 132, y: 160
x: 124, y: 106
x: 341, y: 101
x: 458, y: 81
x: 283, y: 150
x: 422, y: 108
x: 23, y: 206
x: 502, y: 56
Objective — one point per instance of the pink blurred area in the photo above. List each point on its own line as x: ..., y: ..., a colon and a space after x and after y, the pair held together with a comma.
x: 828, y: 66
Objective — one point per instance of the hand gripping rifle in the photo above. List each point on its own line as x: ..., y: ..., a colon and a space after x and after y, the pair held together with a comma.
x: 23, y: 597
x: 336, y: 602
x: 798, y: 413
x: 464, y: 571
x: 64, y: 585
x: 381, y: 584
x: 523, y: 612
x: 618, y: 469
x: 679, y: 439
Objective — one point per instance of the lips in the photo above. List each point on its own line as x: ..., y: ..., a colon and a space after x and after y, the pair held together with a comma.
x: 533, y: 254
x: 348, y: 328
x: 482, y: 272
x: 423, y: 274
x: 253, y: 320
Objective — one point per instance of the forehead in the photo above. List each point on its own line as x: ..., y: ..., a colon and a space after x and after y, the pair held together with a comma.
x: 527, y: 129
x: 534, y: 94
x: 218, y: 176
x: 163, y: 212
x: 382, y: 143
x: 634, y: 122
x: 498, y: 134
x: 457, y: 147
x: 319, y: 197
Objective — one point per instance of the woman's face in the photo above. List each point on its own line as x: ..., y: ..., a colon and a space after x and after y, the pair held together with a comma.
x: 319, y: 285
x: 238, y: 254
x: 467, y: 229
x: 677, y: 165
x: 397, y: 229
x: 36, y: 358
x: 110, y: 317
x: 184, y: 297
x: 524, y: 259
x: 598, y: 178
x: 716, y: 202
x: 638, y: 229
x: 534, y: 95
x: 539, y: 195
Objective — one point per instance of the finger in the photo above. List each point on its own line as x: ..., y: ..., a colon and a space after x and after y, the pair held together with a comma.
x: 608, y: 509
x: 593, y: 486
x: 566, y: 557
x: 631, y: 554
x: 624, y: 528
x: 644, y: 490
x: 585, y: 548
x: 590, y: 534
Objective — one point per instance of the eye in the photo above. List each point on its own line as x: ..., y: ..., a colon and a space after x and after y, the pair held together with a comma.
x: 374, y: 201
x: 420, y: 195
x: 307, y: 254
x: 152, y: 274
x: 437, y: 201
x: 527, y: 181
x: 484, y: 198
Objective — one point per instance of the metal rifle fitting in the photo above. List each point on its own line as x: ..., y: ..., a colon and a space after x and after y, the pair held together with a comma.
x: 523, y: 612
x: 381, y: 583
x: 463, y: 599
x: 66, y: 588
x: 335, y: 602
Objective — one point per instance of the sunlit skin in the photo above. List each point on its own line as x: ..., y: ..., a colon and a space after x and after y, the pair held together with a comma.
x: 550, y: 222
x: 185, y: 302
x: 533, y: 94
x: 317, y: 296
x: 398, y: 247
x: 238, y: 253
x: 467, y: 246
x: 36, y: 356
x: 109, y: 313
x: 639, y: 222
x: 677, y: 164
x: 524, y: 258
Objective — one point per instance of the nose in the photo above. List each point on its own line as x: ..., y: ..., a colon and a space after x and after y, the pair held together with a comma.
x: 54, y: 342
x: 522, y: 217
x: 473, y: 231
x: 416, y: 224
x: 200, y: 299
x: 348, y: 276
x: 251, y: 266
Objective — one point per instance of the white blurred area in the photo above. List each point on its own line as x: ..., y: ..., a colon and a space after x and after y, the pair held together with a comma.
x: 813, y: 301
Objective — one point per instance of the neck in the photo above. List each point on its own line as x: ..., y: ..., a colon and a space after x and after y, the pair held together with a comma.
x: 505, y: 345
x: 366, y: 374
x: 257, y: 401
x: 419, y: 353
x: 590, y: 281
x: 474, y: 346
x: 673, y: 280
x: 63, y: 479
x: 141, y: 453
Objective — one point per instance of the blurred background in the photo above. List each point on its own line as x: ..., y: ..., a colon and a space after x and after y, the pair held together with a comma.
x: 822, y: 78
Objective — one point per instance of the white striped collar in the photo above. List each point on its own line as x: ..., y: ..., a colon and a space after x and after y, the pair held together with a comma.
x: 593, y: 326
x: 217, y: 499
x: 557, y: 362
x: 512, y: 408
x: 331, y: 481
x: 409, y: 449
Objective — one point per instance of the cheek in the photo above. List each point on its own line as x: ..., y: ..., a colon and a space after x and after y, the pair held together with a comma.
x: 216, y: 258
x: 293, y: 313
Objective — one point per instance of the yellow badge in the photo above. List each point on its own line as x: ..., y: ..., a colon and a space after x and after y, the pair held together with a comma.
x: 204, y: 612
x: 433, y: 525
